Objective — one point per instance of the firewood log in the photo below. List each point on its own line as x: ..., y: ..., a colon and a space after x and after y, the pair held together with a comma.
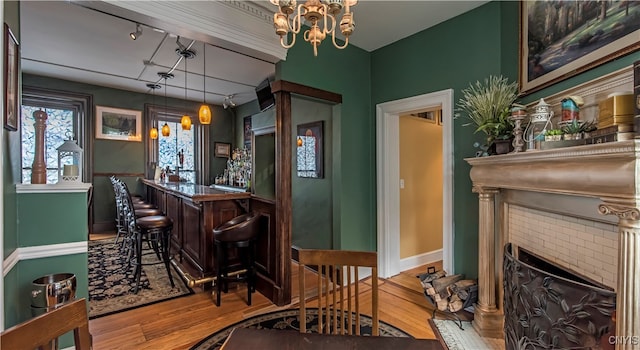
x: 441, y: 283
x: 426, y: 285
x: 436, y: 298
x: 442, y: 305
x: 428, y: 277
x: 455, y: 304
x: 461, y: 287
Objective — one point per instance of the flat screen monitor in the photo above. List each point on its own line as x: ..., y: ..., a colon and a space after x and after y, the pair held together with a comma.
x: 265, y: 97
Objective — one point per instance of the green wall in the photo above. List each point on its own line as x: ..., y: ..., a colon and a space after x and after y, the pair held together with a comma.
x: 346, y: 72
x: 451, y: 55
x: 128, y: 157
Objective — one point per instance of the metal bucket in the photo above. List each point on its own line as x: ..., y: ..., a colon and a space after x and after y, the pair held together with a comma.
x: 51, y: 291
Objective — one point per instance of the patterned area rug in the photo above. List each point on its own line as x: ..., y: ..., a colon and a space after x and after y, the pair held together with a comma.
x: 463, y: 339
x: 288, y: 319
x: 111, y: 281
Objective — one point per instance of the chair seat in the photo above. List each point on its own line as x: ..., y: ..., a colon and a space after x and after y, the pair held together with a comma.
x: 241, y: 228
x: 143, y: 206
x: 154, y: 222
x: 147, y: 212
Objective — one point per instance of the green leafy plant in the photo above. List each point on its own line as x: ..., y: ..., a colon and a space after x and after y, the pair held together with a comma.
x: 576, y: 127
x: 486, y: 105
x: 553, y: 132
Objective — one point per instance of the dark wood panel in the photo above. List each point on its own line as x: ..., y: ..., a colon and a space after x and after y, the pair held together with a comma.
x: 192, y: 244
x: 173, y: 211
x: 265, y: 260
x: 289, y: 87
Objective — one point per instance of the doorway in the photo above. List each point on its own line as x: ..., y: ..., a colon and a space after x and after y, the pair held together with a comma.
x: 388, y: 177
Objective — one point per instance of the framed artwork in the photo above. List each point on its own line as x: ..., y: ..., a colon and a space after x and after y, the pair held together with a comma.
x: 222, y: 149
x: 310, y: 150
x: 118, y: 124
x: 247, y: 132
x: 11, y: 75
x: 559, y: 39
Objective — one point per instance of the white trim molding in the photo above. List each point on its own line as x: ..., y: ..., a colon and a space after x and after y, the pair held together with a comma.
x: 53, y: 188
x: 420, y: 259
x: 43, y: 251
x: 388, y: 177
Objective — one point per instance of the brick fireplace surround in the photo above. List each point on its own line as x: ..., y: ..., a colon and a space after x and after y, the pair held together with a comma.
x: 576, y: 206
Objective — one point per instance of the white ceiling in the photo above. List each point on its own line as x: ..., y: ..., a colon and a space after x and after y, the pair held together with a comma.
x: 64, y: 40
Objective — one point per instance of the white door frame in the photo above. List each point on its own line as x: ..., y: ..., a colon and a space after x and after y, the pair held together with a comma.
x: 388, y: 177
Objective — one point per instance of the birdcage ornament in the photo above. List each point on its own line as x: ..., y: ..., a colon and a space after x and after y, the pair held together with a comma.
x: 69, y: 161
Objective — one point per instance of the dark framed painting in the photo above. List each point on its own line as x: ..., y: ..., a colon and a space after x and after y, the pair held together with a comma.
x: 11, y: 76
x: 222, y: 149
x: 559, y: 39
x: 118, y: 124
x: 310, y: 150
x: 247, y: 127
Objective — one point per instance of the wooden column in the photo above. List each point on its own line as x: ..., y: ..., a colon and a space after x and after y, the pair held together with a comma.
x: 39, y: 167
x: 488, y: 320
x: 628, y: 289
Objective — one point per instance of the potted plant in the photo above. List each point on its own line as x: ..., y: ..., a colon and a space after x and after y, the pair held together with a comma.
x: 574, y: 129
x: 553, y: 135
x: 486, y: 104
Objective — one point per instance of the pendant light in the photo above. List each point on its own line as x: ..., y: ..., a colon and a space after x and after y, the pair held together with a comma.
x: 166, y: 131
x: 204, y: 114
x: 153, y: 133
x: 186, y: 119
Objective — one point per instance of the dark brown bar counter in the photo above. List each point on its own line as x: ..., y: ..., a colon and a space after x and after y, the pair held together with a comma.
x: 195, y: 210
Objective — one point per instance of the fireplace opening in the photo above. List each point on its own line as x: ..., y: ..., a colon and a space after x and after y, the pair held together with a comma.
x: 549, y: 307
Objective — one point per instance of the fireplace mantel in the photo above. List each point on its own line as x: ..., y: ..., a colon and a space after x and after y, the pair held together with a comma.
x: 605, y: 171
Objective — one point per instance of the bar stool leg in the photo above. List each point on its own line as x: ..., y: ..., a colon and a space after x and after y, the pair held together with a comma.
x: 165, y: 241
x: 138, y: 252
x: 219, y: 252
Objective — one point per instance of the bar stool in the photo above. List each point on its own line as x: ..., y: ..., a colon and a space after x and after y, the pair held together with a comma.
x: 153, y: 229
x: 240, y: 232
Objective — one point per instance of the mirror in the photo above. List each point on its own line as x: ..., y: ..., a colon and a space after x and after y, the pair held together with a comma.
x: 263, y: 180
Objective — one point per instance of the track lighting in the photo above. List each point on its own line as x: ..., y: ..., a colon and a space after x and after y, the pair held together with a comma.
x: 228, y: 102
x: 138, y: 33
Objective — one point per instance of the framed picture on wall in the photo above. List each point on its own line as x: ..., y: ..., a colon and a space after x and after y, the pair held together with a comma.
x: 310, y: 150
x: 247, y: 132
x: 559, y: 39
x: 118, y: 124
x: 222, y: 149
x: 11, y: 75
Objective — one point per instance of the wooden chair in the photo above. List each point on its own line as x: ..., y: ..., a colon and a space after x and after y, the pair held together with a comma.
x: 337, y: 273
x: 39, y: 332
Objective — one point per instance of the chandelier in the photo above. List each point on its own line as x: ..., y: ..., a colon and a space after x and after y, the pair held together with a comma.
x: 319, y: 15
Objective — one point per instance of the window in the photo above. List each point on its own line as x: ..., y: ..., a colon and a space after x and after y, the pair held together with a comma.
x: 165, y: 151
x: 66, y: 115
x: 179, y: 144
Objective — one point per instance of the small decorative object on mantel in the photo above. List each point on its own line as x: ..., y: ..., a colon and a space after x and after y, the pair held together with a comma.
x: 571, y: 108
x: 539, y: 123
x: 69, y: 161
x: 518, y: 114
x: 486, y: 105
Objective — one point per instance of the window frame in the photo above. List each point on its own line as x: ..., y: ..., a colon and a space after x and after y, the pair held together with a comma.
x: 82, y: 107
x: 152, y: 113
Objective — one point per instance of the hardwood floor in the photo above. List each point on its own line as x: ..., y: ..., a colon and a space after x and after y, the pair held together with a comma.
x: 182, y: 322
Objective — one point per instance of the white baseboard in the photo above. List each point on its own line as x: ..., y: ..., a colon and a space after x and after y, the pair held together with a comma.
x: 420, y: 259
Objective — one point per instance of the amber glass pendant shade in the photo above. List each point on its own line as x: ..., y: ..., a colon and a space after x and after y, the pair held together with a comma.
x: 166, y: 131
x: 299, y: 141
x: 204, y: 114
x: 153, y: 133
x: 186, y: 122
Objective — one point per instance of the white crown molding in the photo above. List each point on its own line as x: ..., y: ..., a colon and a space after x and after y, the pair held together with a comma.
x: 238, y: 22
x: 43, y: 251
x: 53, y: 188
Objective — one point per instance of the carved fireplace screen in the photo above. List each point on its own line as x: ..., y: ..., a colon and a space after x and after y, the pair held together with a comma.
x: 543, y: 310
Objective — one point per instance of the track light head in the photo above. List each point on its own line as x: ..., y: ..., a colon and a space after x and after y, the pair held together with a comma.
x: 138, y: 33
x: 228, y: 102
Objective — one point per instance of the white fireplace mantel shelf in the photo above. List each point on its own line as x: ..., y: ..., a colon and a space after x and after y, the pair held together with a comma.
x: 606, y: 171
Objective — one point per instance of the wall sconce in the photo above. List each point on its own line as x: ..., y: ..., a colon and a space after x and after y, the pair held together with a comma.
x: 138, y: 33
x: 166, y: 131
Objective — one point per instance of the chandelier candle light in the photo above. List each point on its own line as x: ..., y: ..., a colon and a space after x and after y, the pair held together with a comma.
x: 320, y: 16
